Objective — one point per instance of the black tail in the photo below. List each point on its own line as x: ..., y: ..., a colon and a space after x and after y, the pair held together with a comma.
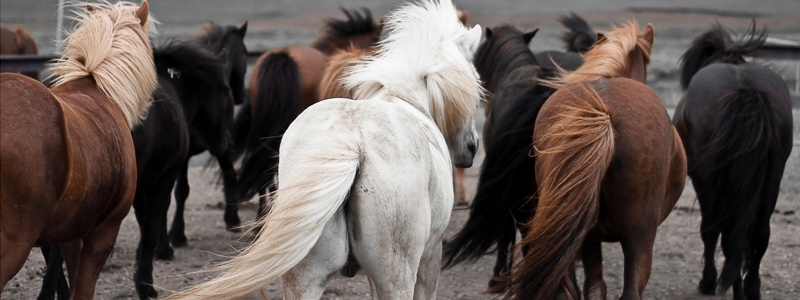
x: 717, y: 45
x: 579, y: 36
x: 274, y: 106
x: 505, y: 184
x: 743, y: 156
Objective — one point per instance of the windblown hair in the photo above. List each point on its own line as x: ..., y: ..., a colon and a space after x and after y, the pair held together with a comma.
x: 355, y: 24
x: 608, y: 57
x: 717, y: 45
x: 110, y: 45
x: 424, y: 60
x: 575, y: 153
x: 579, y: 36
x: 331, y: 85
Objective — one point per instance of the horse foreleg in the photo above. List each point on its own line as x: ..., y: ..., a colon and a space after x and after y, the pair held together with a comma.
x: 54, y: 282
x: 307, y: 279
x: 147, y: 218
x: 638, y: 253
x: 460, y: 186
x: 176, y: 233
x: 232, y: 221
x: 593, y: 285
x: 502, y: 264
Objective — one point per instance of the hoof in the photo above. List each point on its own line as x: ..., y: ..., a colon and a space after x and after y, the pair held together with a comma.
x: 165, y: 253
x: 494, y: 287
x: 146, y: 292
x: 177, y: 241
x: 707, y: 287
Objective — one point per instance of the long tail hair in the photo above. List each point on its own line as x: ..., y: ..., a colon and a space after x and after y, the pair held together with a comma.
x: 741, y: 159
x: 311, y: 192
x: 503, y: 186
x: 274, y: 107
x: 717, y: 45
x: 575, y: 157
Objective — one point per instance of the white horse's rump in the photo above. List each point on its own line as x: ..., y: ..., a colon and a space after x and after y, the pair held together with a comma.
x: 372, y: 177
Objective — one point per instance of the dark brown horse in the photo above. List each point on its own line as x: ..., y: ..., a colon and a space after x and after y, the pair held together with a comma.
x: 285, y: 82
x: 70, y: 176
x: 736, y: 124
x: 609, y: 167
x: 18, y: 41
x: 510, y: 73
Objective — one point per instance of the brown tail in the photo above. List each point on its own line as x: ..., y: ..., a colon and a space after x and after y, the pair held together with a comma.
x: 574, y: 156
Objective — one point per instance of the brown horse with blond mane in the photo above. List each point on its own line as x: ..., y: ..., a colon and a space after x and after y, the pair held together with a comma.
x: 609, y: 166
x: 68, y: 173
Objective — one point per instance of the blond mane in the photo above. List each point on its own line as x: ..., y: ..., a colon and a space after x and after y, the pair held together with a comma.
x: 110, y: 45
x: 608, y: 58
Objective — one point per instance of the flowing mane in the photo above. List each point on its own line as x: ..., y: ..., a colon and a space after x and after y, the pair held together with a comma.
x: 422, y: 66
x: 717, y: 45
x: 356, y: 24
x: 111, y: 46
x: 608, y: 57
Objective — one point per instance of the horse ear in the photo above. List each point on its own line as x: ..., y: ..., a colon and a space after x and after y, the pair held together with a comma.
x: 473, y: 39
x: 242, y: 30
x: 528, y: 36
x: 143, y: 12
x: 462, y: 17
x: 488, y: 33
x: 600, y: 38
x: 649, y: 33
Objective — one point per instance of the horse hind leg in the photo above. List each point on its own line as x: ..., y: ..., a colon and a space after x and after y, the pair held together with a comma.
x: 594, y: 287
x: 97, y: 247
x: 307, y: 279
x: 638, y: 253
x: 231, y: 217
x: 177, y: 235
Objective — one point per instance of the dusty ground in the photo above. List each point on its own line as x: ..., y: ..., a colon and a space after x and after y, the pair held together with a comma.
x: 677, y: 258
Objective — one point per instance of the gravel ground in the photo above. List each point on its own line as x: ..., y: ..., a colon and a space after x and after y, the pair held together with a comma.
x: 677, y: 258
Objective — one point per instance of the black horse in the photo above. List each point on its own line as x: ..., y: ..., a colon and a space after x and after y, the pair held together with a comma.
x: 226, y: 43
x: 735, y: 121
x: 192, y: 87
x: 510, y: 72
x: 579, y: 37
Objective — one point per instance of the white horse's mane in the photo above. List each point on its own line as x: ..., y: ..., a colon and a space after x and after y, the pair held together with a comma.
x: 425, y: 60
x: 110, y: 45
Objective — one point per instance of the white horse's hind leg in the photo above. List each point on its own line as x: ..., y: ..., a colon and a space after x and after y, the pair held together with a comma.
x: 428, y: 274
x: 307, y: 279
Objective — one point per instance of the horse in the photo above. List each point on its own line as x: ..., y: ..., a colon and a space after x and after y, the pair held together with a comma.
x: 735, y: 120
x: 18, y: 41
x: 332, y: 87
x: 349, y: 169
x: 510, y: 73
x: 609, y: 168
x: 284, y: 82
x: 226, y: 43
x: 72, y: 179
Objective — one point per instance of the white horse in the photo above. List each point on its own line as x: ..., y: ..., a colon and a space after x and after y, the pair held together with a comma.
x: 370, y: 179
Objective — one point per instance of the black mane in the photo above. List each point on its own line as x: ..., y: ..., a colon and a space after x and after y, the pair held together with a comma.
x: 580, y: 36
x: 717, y: 45
x: 194, y: 64
x: 503, y: 51
x: 356, y: 23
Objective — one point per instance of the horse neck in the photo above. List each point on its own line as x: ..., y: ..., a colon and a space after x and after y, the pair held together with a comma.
x: 499, y: 64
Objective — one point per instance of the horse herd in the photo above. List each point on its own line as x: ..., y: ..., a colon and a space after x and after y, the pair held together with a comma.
x: 579, y: 151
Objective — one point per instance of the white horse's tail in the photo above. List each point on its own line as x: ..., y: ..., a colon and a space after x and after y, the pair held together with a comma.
x: 314, y: 183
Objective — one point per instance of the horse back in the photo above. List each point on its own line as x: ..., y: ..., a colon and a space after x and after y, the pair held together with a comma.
x: 33, y: 153
x: 647, y: 170
x: 101, y: 175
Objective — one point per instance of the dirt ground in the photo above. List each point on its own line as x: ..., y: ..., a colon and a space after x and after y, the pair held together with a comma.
x: 676, y: 266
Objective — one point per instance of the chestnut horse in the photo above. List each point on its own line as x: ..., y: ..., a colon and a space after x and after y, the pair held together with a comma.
x: 736, y: 123
x: 609, y: 168
x: 510, y: 72
x: 285, y: 82
x: 18, y: 41
x: 71, y: 177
